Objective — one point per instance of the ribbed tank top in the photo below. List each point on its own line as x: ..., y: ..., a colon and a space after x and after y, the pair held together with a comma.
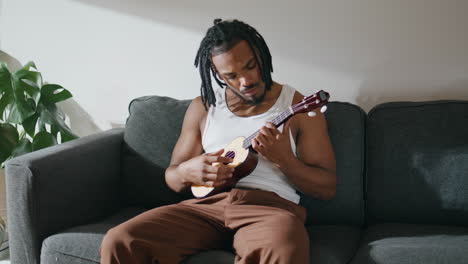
x: 222, y: 126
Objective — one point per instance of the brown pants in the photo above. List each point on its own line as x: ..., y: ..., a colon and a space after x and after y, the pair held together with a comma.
x: 259, y: 226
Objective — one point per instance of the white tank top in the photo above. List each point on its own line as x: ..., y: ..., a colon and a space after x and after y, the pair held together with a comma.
x: 222, y: 126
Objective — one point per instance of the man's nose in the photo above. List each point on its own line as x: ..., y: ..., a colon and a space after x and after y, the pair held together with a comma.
x: 246, y: 82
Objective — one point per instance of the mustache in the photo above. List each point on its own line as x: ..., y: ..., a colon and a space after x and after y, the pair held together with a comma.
x: 246, y: 88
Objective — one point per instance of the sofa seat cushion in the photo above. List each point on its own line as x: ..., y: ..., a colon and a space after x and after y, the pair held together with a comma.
x: 81, y: 244
x: 393, y: 243
x: 333, y: 244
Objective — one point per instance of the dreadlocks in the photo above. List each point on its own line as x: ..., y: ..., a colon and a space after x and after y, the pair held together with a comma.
x: 221, y: 37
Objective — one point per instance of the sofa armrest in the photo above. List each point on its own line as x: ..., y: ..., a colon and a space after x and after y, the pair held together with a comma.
x: 66, y: 185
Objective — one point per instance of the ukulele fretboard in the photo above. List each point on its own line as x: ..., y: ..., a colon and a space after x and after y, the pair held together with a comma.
x: 277, y: 121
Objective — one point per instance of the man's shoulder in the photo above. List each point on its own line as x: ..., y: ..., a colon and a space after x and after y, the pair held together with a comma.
x: 196, y: 110
x: 197, y: 104
x: 197, y: 101
x: 297, y: 97
x: 303, y: 121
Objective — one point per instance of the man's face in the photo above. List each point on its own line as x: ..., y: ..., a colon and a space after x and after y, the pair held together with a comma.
x: 238, y: 68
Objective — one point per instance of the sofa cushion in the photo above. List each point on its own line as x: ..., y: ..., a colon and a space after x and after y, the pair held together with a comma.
x: 333, y: 244
x: 418, y: 163
x: 346, y: 127
x: 151, y: 131
x: 413, y: 244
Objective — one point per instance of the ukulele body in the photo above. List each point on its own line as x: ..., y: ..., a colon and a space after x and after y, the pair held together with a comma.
x: 244, y: 162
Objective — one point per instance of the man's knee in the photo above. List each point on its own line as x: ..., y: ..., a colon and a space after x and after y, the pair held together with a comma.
x: 119, y: 246
x: 114, y: 238
x: 290, y: 228
x: 290, y: 240
x: 285, y: 240
x: 123, y: 237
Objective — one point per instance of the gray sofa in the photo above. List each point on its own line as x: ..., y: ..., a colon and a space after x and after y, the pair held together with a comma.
x: 402, y: 194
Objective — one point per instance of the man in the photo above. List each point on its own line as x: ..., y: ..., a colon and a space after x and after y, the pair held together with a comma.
x: 259, y: 219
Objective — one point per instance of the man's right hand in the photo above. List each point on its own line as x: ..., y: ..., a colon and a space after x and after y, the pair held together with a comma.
x: 200, y: 170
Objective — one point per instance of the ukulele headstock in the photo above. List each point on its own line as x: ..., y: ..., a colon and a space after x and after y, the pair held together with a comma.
x: 311, y: 102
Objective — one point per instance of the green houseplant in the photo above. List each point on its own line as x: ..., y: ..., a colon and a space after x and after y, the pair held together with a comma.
x: 29, y: 121
x: 29, y: 117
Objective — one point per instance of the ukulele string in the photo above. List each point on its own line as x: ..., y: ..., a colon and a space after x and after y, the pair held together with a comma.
x: 276, y: 121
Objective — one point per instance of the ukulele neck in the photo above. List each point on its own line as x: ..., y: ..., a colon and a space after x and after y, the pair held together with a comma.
x: 277, y: 121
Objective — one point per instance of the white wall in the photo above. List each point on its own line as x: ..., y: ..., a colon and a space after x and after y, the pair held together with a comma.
x: 362, y: 51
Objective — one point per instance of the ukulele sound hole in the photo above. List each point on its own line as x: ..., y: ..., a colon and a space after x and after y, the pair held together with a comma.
x: 230, y: 154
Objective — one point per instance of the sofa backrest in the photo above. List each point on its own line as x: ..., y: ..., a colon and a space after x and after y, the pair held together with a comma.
x: 153, y: 128
x: 346, y: 128
x: 417, y: 163
x: 151, y: 131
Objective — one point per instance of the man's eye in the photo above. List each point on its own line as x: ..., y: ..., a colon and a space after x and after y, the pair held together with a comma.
x: 231, y: 77
x: 252, y: 67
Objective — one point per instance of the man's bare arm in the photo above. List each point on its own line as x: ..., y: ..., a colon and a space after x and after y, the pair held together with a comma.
x: 188, y: 145
x: 314, y: 170
x: 188, y: 166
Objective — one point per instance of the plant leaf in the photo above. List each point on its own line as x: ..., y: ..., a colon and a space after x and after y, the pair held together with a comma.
x: 9, y: 139
x: 42, y: 140
x: 29, y: 81
x: 51, y: 115
x: 54, y: 93
x: 20, y: 111
x: 5, y: 79
x: 29, y: 65
x: 6, y: 91
x: 44, y: 114
x: 5, y: 100
x: 67, y: 135
x: 54, y: 131
x: 29, y: 124
x: 20, y: 108
x: 32, y: 77
x: 24, y: 146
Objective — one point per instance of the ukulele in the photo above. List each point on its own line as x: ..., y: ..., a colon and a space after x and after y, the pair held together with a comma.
x: 245, y: 158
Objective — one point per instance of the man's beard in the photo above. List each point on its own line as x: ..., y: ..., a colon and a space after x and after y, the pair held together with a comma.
x: 254, y: 100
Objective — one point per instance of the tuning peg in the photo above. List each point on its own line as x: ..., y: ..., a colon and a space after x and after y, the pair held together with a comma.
x: 311, y: 114
x: 323, y: 109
